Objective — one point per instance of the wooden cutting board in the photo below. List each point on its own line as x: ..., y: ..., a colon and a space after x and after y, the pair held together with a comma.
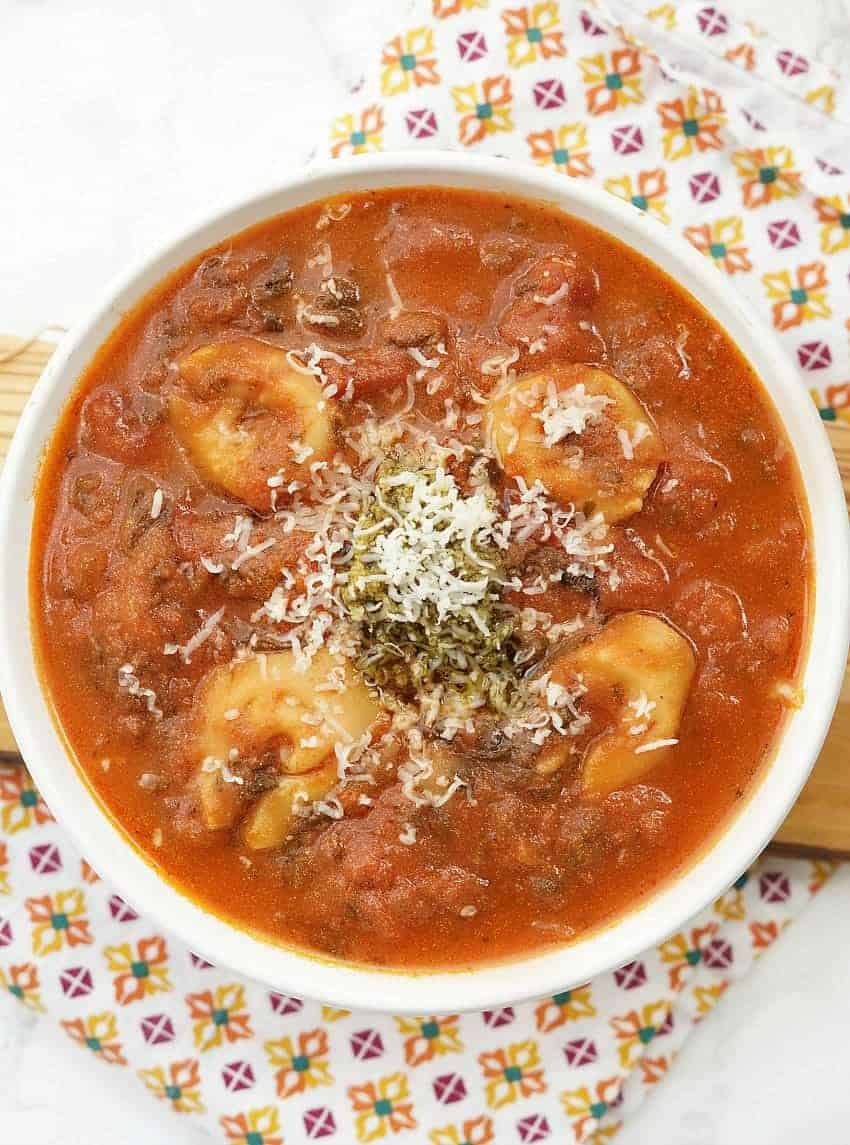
x: 819, y: 823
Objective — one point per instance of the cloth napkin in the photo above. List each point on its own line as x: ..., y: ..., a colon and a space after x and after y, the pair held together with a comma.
x: 743, y: 146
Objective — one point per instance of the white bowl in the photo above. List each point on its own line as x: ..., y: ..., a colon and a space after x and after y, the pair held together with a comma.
x: 109, y: 850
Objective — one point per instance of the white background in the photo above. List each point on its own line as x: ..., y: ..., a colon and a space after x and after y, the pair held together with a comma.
x: 123, y: 122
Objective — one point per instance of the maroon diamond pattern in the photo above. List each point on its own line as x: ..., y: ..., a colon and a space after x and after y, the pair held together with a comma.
x: 814, y: 355
x: 705, y: 187
x: 120, y: 910
x: 534, y: 1127
x: 783, y: 233
x: 471, y: 46
x: 76, y: 981
x: 755, y: 124
x: 157, y: 1029
x: 712, y: 22
x: 829, y: 168
x: 198, y: 962
x: 449, y: 1088
x: 630, y: 976
x: 666, y: 1026
x: 5, y: 932
x: 774, y: 886
x: 284, y: 1004
x: 548, y: 94
x: 580, y: 1051
x: 319, y: 1123
x: 589, y: 25
x: 367, y: 1044
x: 790, y: 64
x: 718, y: 954
x: 45, y: 859
x: 627, y: 140
x: 237, y: 1076
x: 421, y: 124
x: 495, y: 1019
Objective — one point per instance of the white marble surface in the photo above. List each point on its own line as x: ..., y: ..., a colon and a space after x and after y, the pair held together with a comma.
x: 122, y: 122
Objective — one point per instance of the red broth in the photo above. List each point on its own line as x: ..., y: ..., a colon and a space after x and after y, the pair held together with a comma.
x: 209, y: 508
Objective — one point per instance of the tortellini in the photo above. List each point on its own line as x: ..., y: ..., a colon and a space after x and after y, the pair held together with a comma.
x: 582, y: 433
x: 638, y: 669
x: 243, y: 414
x: 264, y: 707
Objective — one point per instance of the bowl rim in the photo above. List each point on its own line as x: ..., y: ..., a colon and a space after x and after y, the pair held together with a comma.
x: 685, y: 893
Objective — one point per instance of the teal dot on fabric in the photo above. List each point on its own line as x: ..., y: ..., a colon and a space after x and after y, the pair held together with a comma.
x: 598, y: 1109
x: 59, y: 921
x: 16, y: 991
x: 430, y: 1030
x: 640, y: 201
x: 253, y: 1138
x: 828, y: 414
x: 173, y: 1092
x: 717, y: 250
x: 408, y: 62
x: 613, y: 81
x: 646, y: 1034
x: 140, y: 969
x: 534, y: 35
x: 690, y: 127
x: 220, y: 1017
x: 798, y: 296
x: 300, y: 1063
x: 383, y: 1108
x: 560, y: 155
x: 358, y: 138
x: 484, y: 111
x: 93, y: 1044
x: 693, y: 957
x: 844, y: 220
x: 29, y: 797
x: 768, y: 174
x: 562, y: 998
x: 513, y: 1074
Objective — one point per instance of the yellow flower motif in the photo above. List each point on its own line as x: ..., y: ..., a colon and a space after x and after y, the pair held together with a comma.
x: 730, y: 906
x: 706, y: 997
x: 722, y: 241
x: 256, y: 1127
x: 408, y: 61
x: 822, y: 97
x: 824, y: 869
x: 484, y: 110
x: 564, y: 148
x: 179, y: 1085
x: 21, y: 806
x: 58, y: 920
x: 381, y: 1107
x: 22, y: 983
x: 766, y: 174
x: 139, y: 972
x: 612, y: 82
x: 220, y: 1016
x: 476, y: 1131
x: 511, y: 1073
x: 564, y: 1007
x: 353, y: 135
x: 429, y: 1037
x: 833, y: 213
x: 684, y: 950
x: 692, y: 122
x: 333, y: 1013
x: 5, y: 885
x: 442, y: 9
x: 665, y: 15
x: 800, y: 298
x: 586, y: 1107
x: 647, y: 192
x: 302, y: 1062
x: 98, y: 1033
x: 635, y: 1030
x: 533, y: 33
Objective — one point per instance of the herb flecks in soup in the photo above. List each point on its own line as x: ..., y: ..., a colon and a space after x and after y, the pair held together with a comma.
x: 420, y: 579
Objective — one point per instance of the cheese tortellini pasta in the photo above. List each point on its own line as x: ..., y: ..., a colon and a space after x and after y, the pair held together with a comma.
x: 579, y: 431
x: 263, y: 709
x: 243, y: 415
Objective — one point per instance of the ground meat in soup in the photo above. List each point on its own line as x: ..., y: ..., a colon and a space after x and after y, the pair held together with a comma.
x: 421, y: 578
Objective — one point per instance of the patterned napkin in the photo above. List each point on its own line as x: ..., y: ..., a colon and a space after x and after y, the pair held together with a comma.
x: 740, y: 144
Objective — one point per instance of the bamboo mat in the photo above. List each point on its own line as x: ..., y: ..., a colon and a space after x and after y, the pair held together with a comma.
x: 820, y: 820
